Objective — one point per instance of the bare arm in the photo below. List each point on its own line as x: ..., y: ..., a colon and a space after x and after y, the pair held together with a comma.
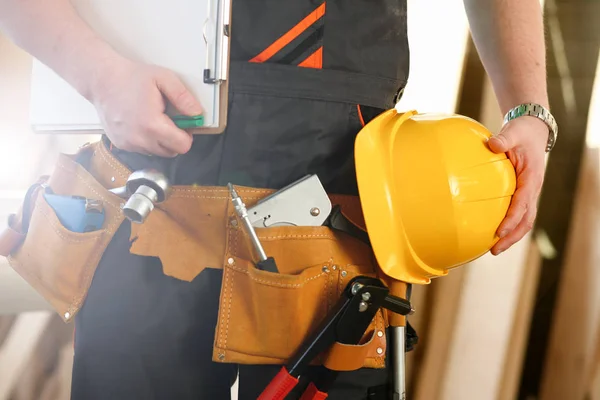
x: 127, y: 95
x: 53, y: 32
x: 509, y: 36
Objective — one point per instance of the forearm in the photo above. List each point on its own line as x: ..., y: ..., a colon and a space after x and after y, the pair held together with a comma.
x: 509, y: 37
x: 53, y: 32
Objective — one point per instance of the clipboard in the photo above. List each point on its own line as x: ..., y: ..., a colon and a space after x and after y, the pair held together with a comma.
x: 189, y: 37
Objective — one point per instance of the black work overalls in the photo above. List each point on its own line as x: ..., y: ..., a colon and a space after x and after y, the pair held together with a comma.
x: 305, y: 76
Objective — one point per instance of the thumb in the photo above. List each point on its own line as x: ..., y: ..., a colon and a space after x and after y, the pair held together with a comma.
x: 500, y: 143
x: 177, y: 94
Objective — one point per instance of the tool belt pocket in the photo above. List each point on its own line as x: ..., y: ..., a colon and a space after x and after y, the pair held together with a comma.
x: 265, y: 317
x: 55, y: 261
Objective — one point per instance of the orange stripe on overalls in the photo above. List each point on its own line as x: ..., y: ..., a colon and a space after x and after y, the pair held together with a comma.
x: 315, y: 60
x: 290, y: 35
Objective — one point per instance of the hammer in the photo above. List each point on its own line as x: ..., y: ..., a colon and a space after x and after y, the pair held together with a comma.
x: 143, y: 190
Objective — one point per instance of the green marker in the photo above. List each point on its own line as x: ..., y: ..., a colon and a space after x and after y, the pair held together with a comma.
x: 185, y: 122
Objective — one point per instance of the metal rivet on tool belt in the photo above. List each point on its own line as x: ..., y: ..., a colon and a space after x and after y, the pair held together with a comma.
x: 344, y: 273
x: 380, y: 333
x: 379, y: 350
x: 315, y: 211
x: 362, y: 307
x: 67, y: 315
x: 112, y: 179
x: 230, y: 261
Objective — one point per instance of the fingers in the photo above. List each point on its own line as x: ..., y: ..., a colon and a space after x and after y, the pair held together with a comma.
x: 500, y: 144
x: 524, y: 226
x: 176, y: 92
x: 159, y: 137
x: 171, y: 137
x: 518, y: 207
x: 521, y: 214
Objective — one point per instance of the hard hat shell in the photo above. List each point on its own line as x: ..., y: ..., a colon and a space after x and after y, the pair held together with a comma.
x: 433, y: 193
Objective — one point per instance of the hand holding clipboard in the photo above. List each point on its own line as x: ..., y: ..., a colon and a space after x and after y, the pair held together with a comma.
x: 197, y: 53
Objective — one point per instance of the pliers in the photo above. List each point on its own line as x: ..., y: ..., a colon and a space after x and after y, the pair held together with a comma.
x: 346, y: 323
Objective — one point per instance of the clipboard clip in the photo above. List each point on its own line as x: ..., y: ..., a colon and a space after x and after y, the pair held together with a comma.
x: 221, y: 43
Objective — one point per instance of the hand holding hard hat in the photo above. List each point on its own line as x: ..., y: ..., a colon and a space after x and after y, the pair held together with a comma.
x: 523, y: 139
x: 433, y: 192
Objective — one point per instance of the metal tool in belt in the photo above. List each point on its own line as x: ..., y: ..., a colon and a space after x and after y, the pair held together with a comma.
x: 303, y: 203
x: 345, y: 324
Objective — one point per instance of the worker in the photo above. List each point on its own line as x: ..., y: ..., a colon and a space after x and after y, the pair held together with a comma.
x: 295, y: 107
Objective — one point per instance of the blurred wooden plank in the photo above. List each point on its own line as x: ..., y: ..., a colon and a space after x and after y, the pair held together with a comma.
x: 420, y: 322
x: 574, y: 333
x: 556, y: 205
x: 16, y: 295
x: 6, y: 323
x: 58, y: 387
x: 445, y: 300
x: 44, y: 361
x: 18, y: 348
x: 513, y: 363
x: 593, y: 380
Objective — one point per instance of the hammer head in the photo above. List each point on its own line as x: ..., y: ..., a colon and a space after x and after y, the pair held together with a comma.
x: 143, y: 190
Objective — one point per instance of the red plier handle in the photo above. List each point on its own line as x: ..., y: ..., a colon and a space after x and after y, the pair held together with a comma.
x: 282, y: 385
x: 346, y: 323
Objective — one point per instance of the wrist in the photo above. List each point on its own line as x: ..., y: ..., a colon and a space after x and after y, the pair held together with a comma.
x: 93, y: 62
x: 102, y: 75
x: 535, y: 111
x: 513, y: 98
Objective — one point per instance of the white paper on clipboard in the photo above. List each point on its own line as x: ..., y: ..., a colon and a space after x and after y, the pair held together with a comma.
x: 188, y: 37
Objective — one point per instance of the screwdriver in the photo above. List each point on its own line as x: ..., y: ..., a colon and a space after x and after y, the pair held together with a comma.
x: 265, y: 263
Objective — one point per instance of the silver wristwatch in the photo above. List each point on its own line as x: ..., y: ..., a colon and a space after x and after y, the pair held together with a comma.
x: 536, y: 110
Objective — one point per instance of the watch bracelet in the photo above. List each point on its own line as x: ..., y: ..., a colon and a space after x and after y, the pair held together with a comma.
x: 540, y: 112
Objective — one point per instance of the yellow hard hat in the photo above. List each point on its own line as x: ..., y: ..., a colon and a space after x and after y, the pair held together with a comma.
x: 433, y: 193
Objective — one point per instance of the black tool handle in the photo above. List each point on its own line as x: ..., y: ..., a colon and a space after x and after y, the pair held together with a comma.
x: 397, y: 305
x: 268, y: 265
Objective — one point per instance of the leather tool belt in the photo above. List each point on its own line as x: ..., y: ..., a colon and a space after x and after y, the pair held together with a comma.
x: 263, y: 317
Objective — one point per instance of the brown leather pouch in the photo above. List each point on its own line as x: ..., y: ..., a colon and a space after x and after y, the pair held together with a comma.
x: 265, y: 317
x: 58, y: 263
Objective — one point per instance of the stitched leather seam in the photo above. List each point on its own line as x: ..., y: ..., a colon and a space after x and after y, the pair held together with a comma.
x: 205, y: 197
x: 82, y: 179
x: 56, y: 229
x: 297, y: 236
x: 110, y: 229
x: 179, y: 190
x: 235, y: 250
x: 110, y: 160
x: 276, y: 284
x: 226, y: 276
x: 92, y: 264
x: 75, y: 301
